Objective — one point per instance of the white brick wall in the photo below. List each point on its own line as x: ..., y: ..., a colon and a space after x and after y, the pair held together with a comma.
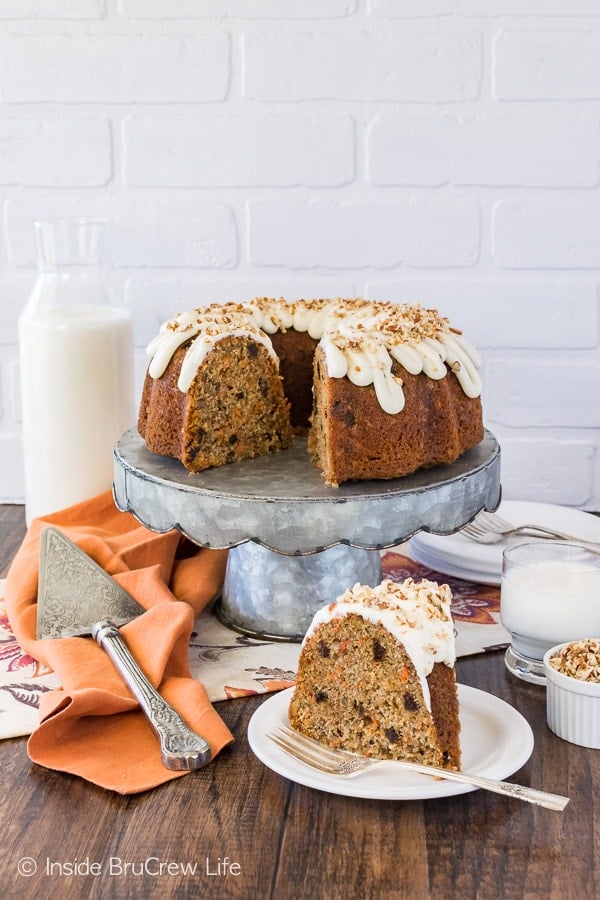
x: 442, y: 151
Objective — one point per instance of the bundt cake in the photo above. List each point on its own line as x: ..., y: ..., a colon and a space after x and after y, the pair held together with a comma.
x: 376, y: 675
x: 382, y: 389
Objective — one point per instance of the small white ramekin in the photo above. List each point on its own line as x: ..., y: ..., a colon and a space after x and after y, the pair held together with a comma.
x: 572, y: 705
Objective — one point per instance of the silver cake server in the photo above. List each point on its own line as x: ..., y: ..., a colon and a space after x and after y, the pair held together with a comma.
x: 77, y: 597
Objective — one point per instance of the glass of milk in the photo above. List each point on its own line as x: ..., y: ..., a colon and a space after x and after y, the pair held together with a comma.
x: 550, y: 594
x: 76, y: 368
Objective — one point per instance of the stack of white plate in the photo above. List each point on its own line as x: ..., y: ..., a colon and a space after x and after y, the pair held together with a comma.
x: 457, y: 556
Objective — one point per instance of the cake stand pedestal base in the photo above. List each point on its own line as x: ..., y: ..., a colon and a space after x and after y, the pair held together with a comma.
x: 267, y: 595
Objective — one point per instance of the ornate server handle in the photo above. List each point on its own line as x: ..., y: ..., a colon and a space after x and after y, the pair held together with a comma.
x: 180, y: 747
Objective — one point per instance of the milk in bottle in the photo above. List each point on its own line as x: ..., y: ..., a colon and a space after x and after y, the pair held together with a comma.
x: 76, y: 369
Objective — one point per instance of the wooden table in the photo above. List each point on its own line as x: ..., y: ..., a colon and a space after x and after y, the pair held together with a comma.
x: 250, y: 833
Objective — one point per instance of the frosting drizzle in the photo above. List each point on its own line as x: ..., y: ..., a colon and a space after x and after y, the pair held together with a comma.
x: 361, y: 340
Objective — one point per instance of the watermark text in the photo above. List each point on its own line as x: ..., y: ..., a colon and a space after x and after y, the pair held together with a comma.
x: 117, y: 867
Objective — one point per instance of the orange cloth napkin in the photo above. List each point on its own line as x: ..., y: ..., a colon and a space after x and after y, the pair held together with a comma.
x: 93, y: 726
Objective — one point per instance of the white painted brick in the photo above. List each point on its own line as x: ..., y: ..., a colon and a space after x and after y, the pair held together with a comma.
x: 550, y: 65
x: 243, y: 9
x: 229, y: 150
x: 114, y: 68
x: 11, y: 387
x: 10, y: 400
x: 52, y: 9
x: 420, y: 8
x: 516, y: 148
x: 161, y: 230
x: 153, y: 300
x: 426, y: 233
x: 12, y: 484
x: 174, y: 231
x: 528, y: 391
x: 265, y: 284
x: 417, y: 67
x: 540, y: 314
x: 441, y: 151
x: 55, y: 152
x: 594, y: 501
x: 556, y: 233
x: 411, y: 9
x: 533, y: 469
x: 529, y: 8
x: 15, y: 288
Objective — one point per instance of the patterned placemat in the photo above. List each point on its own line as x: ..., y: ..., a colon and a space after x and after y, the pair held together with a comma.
x: 233, y: 665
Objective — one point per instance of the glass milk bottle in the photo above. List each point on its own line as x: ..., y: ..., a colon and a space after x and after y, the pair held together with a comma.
x: 76, y: 367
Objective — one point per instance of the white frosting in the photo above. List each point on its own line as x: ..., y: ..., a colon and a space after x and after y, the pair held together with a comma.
x: 464, y: 361
x: 408, y: 357
x: 364, y: 359
x: 416, y: 613
x: 361, y: 340
x: 206, y: 328
x: 271, y: 315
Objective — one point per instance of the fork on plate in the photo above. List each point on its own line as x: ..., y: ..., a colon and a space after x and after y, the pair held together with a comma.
x: 490, y: 528
x: 343, y: 764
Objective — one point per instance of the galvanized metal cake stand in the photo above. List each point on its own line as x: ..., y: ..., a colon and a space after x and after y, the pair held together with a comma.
x: 297, y: 544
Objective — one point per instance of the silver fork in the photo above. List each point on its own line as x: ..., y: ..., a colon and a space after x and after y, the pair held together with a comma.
x: 490, y: 528
x: 345, y: 765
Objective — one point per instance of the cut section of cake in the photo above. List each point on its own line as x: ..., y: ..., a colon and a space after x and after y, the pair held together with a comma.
x: 216, y: 395
x: 376, y: 675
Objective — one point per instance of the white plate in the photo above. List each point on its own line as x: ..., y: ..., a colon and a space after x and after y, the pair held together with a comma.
x: 455, y: 550
x: 496, y: 741
x: 448, y: 568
